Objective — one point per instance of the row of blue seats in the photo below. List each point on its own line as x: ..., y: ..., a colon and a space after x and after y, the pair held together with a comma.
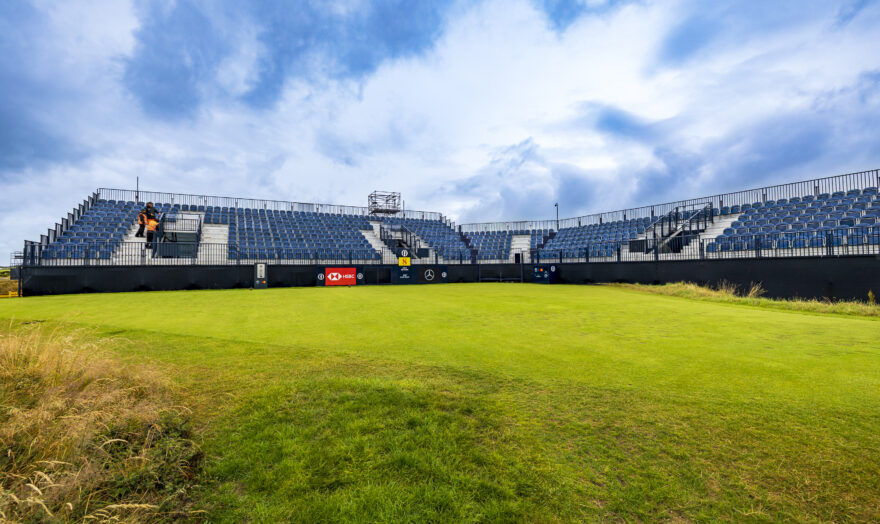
x: 288, y: 234
x: 837, y: 195
x: 746, y: 244
x: 304, y: 245
x: 597, y: 251
x: 806, y: 217
x: 301, y: 254
x: 78, y: 252
x: 797, y: 226
x: 293, y: 219
x: 855, y: 210
x: 90, y: 237
x: 292, y: 231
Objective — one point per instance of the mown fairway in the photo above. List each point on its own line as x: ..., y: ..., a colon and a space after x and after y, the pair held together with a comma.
x: 507, y: 402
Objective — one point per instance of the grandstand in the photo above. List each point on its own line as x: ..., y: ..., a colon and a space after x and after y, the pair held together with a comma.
x: 835, y: 216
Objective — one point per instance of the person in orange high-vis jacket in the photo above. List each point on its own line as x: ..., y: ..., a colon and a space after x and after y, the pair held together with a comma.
x: 142, y: 223
x: 152, y: 224
x: 145, y: 214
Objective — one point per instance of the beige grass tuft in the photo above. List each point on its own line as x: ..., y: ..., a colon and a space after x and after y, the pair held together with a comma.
x: 83, y: 436
x: 754, y: 296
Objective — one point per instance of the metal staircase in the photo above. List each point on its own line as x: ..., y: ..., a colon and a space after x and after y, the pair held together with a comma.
x: 400, y: 240
x: 471, y: 249
x: 675, y: 230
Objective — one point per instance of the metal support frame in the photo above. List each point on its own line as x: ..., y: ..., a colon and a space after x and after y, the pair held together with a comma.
x: 384, y: 203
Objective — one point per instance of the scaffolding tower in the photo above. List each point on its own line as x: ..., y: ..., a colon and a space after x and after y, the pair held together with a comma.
x: 384, y: 203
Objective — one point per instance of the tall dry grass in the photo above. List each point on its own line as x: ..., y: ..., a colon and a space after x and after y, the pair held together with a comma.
x: 8, y: 285
x: 727, y: 292
x: 83, y: 437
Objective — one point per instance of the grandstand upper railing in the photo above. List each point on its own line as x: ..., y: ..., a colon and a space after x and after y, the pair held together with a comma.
x: 816, y: 186
x: 130, y: 195
x: 522, y: 225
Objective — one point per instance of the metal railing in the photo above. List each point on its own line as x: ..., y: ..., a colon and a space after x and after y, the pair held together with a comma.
x: 754, y: 246
x: 130, y: 195
x: 393, y: 234
x: 815, y: 187
x: 107, y: 254
x: 788, y: 244
x: 523, y: 225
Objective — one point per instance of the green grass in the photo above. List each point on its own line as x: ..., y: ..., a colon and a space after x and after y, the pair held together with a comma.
x: 505, y: 402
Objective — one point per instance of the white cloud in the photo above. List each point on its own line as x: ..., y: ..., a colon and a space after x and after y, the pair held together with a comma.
x: 438, y: 127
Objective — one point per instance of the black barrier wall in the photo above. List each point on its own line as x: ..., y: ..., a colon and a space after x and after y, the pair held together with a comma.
x: 835, y: 278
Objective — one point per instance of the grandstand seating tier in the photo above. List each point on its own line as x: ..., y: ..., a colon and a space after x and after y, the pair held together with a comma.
x: 841, y: 218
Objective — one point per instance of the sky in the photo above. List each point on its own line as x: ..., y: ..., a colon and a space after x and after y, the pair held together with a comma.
x: 483, y: 110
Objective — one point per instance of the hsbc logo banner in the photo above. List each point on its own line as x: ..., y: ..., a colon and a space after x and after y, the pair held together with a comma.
x: 340, y: 276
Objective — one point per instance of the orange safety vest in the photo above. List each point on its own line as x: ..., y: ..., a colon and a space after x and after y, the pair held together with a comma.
x: 142, y: 218
x: 152, y: 224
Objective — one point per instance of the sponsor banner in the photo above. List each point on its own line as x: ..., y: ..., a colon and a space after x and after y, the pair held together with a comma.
x: 432, y: 274
x: 339, y: 276
x: 404, y: 275
x: 260, y: 276
x: 545, y: 274
x: 404, y: 261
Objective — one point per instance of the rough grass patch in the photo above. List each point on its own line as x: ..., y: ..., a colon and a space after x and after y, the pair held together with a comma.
x: 756, y: 290
x: 84, y: 437
x: 729, y: 293
x: 8, y: 285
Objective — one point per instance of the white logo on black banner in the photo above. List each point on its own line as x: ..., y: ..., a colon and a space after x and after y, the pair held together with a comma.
x: 552, y: 268
x: 429, y: 274
x: 443, y: 274
x: 360, y: 276
x: 404, y: 253
x: 320, y: 276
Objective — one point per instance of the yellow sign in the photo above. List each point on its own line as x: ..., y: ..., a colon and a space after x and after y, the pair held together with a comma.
x: 403, y: 261
x: 13, y: 293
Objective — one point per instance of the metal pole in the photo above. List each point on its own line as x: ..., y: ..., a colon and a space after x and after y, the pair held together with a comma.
x: 137, y: 190
x: 557, y: 215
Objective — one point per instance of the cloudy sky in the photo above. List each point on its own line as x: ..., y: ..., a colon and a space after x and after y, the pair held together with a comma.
x: 480, y: 109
